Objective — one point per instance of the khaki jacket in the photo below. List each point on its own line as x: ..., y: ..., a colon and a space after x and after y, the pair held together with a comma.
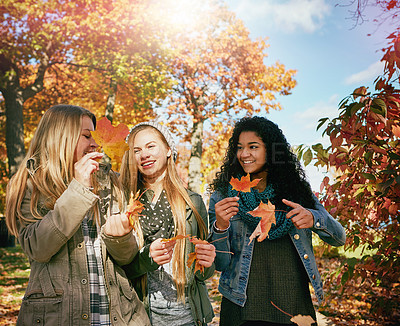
x: 58, y: 289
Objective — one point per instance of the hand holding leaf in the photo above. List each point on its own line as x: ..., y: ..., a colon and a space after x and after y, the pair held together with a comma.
x: 192, y: 258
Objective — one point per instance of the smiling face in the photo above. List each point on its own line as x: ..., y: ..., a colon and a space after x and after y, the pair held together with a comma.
x: 151, y: 154
x: 251, y: 152
x: 86, y: 143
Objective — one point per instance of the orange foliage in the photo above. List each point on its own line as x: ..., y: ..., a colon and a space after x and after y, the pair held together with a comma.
x: 111, y: 139
x: 135, y: 207
x: 244, y: 184
x: 267, y: 214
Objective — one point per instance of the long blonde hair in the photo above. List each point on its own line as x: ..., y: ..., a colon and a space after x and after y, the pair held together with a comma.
x: 51, y: 163
x: 178, y: 198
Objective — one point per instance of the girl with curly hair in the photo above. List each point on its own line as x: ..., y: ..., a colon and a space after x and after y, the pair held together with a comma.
x: 257, y: 277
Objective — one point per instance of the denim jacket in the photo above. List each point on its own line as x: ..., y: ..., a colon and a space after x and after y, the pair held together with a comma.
x: 235, y: 267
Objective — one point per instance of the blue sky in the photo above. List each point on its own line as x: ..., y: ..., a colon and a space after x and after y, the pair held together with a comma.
x: 331, y: 56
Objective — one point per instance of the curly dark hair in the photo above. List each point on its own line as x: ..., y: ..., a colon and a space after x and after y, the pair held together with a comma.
x: 285, y: 173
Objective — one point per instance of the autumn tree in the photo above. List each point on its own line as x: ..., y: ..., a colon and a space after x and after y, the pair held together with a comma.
x: 40, y: 39
x: 219, y: 73
x: 364, y: 154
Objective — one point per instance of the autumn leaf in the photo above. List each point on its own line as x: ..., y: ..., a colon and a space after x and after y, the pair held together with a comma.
x: 192, y: 258
x: 135, y: 207
x: 267, y: 214
x: 244, y: 184
x: 111, y: 139
x: 178, y: 237
x: 302, y: 320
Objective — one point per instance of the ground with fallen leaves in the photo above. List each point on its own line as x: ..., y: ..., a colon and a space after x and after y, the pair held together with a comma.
x: 339, y: 309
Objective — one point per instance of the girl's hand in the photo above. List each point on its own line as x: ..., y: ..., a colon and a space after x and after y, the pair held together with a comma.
x: 302, y: 218
x: 85, y: 167
x: 224, y: 210
x: 205, y: 254
x: 117, y: 225
x: 161, y: 252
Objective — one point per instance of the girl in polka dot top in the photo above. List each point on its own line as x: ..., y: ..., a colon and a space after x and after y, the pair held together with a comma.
x: 173, y: 293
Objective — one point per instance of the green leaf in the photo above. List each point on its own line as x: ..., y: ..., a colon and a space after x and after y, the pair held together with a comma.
x: 368, y: 176
x: 378, y: 106
x: 307, y: 157
x: 345, y: 277
x: 384, y: 185
x: 321, y: 122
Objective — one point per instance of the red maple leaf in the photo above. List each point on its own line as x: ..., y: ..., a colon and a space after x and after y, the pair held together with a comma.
x: 244, y: 184
x: 135, y: 207
x: 267, y: 214
x: 111, y: 139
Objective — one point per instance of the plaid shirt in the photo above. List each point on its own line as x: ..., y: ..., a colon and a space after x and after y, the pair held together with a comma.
x: 99, y: 306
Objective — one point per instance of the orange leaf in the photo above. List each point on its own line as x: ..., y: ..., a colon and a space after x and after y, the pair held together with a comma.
x: 396, y: 130
x: 267, y: 214
x: 178, y: 237
x: 302, y: 320
x: 134, y: 209
x: 111, y: 139
x: 244, y: 184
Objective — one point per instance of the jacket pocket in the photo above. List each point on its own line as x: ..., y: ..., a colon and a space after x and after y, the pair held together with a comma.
x: 42, y: 306
x: 128, y: 299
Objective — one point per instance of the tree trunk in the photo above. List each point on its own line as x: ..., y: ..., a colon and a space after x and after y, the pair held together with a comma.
x: 14, y: 129
x: 195, y: 157
x: 112, y: 94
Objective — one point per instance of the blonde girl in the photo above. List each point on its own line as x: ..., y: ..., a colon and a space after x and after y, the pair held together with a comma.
x: 174, y: 294
x: 62, y: 205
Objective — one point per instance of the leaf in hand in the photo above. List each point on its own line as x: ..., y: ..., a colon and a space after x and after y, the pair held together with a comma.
x: 302, y: 320
x: 135, y: 207
x: 244, y: 184
x: 267, y: 214
x: 111, y: 139
x: 192, y: 258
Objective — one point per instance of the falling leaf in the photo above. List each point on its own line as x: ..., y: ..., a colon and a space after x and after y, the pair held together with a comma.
x: 178, y: 237
x: 192, y: 258
x: 244, y: 184
x: 135, y: 207
x: 267, y: 214
x: 302, y: 320
x: 111, y: 139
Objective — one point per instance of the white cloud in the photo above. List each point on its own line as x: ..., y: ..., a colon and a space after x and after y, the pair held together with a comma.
x: 288, y: 16
x: 309, y: 118
x: 366, y: 76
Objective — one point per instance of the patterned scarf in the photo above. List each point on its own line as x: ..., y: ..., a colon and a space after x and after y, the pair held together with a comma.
x: 156, y: 222
x: 249, y: 201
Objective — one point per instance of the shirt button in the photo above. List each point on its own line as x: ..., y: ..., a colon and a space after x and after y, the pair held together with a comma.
x: 317, y: 224
x: 296, y: 236
x: 84, y: 281
x: 305, y: 256
x: 85, y: 316
x: 115, y: 318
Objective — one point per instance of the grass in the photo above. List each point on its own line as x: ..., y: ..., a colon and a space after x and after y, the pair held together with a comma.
x: 14, y: 276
